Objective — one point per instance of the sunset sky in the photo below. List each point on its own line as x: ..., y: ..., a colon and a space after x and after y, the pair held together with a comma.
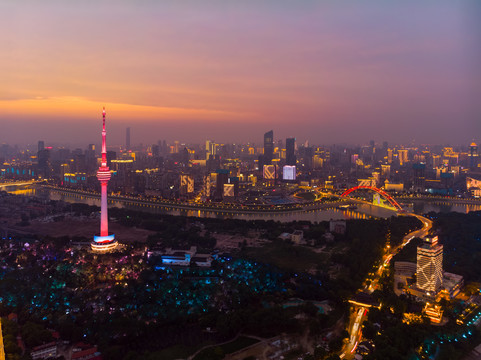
x: 326, y: 71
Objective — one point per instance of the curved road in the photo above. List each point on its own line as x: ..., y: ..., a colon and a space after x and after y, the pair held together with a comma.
x: 359, y: 313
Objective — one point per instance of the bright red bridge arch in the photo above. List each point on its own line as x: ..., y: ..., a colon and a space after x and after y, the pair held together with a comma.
x: 379, y: 191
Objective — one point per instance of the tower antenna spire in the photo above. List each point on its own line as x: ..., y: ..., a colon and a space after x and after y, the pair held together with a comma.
x: 104, y: 241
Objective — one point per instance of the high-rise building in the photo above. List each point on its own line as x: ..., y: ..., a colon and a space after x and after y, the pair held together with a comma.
x: 403, y: 156
x: 473, y: 156
x: 111, y: 155
x: 43, y: 160
x: 389, y: 156
x: 418, y: 176
x: 41, y: 145
x: 104, y: 241
x: 290, y: 151
x: 222, y: 178
x: 210, y: 149
x: 127, y: 139
x: 155, y: 150
x: 386, y: 170
x: 307, y: 153
x: 429, y: 269
x: 268, y: 147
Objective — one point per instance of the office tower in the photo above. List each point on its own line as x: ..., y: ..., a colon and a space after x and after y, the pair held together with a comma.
x: 186, y: 184
x: 207, y: 149
x: 473, y: 156
x: 290, y: 151
x: 210, y: 148
x: 80, y: 163
x: 419, y: 178
x: 41, y: 145
x: 307, y: 155
x: 436, y: 160
x: 317, y: 161
x: 155, y: 151
x: 222, y: 179
x: 403, y: 156
x: 43, y: 160
x: 111, y: 155
x: 389, y: 156
x: 268, y: 147
x: 104, y: 241
x: 127, y: 139
x: 429, y: 269
x: 386, y: 170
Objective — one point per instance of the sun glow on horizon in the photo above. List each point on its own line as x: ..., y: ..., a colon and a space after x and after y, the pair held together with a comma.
x: 78, y: 107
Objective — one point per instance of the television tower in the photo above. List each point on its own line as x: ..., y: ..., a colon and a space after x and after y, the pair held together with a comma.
x: 105, y: 241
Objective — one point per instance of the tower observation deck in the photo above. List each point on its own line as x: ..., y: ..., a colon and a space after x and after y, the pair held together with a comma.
x: 105, y: 241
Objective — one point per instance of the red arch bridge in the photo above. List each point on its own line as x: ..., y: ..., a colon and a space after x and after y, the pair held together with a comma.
x: 385, y: 195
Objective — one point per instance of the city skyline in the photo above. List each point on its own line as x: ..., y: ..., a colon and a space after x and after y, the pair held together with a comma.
x: 322, y: 72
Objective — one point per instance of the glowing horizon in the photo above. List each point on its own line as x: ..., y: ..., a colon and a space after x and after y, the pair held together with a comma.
x: 313, y: 70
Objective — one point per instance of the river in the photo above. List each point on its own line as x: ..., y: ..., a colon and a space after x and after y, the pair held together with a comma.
x: 363, y: 211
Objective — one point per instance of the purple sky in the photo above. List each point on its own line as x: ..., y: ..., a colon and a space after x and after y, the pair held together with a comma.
x: 326, y: 71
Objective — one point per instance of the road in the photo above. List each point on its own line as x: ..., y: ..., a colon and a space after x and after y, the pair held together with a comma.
x: 359, y: 313
x: 18, y: 183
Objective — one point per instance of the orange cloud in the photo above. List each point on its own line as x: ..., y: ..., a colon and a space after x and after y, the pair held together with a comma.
x: 77, y: 107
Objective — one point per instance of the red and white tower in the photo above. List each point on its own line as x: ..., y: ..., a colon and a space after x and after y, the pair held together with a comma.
x: 104, y: 241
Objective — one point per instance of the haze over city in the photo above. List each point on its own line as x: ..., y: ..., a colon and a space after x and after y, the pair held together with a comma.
x: 320, y: 71
x: 240, y: 180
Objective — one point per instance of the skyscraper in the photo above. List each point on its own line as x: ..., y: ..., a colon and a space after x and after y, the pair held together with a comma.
x: 43, y: 160
x: 290, y: 151
x: 210, y: 149
x: 127, y: 139
x: 429, y: 269
x: 473, y: 156
x: 403, y: 156
x: 104, y: 241
x: 268, y: 147
x: 418, y: 176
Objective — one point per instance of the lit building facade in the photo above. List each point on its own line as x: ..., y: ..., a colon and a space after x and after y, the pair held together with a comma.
x: 429, y: 269
x: 127, y: 139
x: 473, y: 156
x: 290, y: 151
x: 268, y: 147
x: 104, y: 241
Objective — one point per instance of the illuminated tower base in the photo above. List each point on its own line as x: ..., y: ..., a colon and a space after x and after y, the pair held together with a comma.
x: 105, y: 241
